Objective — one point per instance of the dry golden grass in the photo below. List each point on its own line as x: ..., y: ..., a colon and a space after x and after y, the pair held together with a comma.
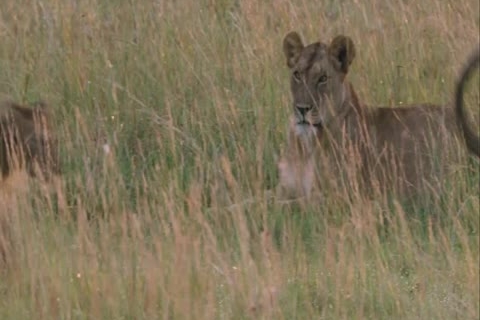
x: 187, y: 92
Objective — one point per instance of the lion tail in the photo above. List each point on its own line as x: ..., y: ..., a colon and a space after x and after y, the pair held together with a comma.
x: 472, y: 140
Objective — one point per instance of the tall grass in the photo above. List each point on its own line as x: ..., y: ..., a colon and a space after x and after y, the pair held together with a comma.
x: 192, y: 98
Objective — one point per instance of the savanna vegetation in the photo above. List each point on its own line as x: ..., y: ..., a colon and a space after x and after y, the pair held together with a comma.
x: 171, y: 116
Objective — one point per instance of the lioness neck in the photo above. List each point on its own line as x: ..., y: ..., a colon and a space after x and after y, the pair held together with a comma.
x: 353, y: 114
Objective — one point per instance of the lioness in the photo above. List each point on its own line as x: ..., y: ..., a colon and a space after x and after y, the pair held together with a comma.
x: 27, y: 140
x: 334, y: 138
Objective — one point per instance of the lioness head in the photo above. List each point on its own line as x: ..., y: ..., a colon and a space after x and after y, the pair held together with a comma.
x: 26, y: 139
x: 317, y: 79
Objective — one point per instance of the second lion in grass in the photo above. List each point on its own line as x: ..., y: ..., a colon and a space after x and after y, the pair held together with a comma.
x: 27, y: 140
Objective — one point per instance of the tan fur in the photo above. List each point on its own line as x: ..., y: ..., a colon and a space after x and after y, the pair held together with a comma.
x: 332, y: 136
x: 27, y: 139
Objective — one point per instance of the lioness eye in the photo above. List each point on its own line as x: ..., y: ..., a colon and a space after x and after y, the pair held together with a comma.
x: 322, y: 79
x: 296, y: 76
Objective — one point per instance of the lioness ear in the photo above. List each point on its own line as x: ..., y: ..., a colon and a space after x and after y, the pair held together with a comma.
x: 342, y: 49
x: 292, y: 47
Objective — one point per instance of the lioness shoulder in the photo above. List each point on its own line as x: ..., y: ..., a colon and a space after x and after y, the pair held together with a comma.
x: 27, y: 139
x: 380, y: 147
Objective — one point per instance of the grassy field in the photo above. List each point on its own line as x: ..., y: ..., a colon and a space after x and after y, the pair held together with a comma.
x: 192, y: 98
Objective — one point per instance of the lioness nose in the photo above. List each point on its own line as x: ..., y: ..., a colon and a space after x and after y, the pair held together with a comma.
x: 303, y: 108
